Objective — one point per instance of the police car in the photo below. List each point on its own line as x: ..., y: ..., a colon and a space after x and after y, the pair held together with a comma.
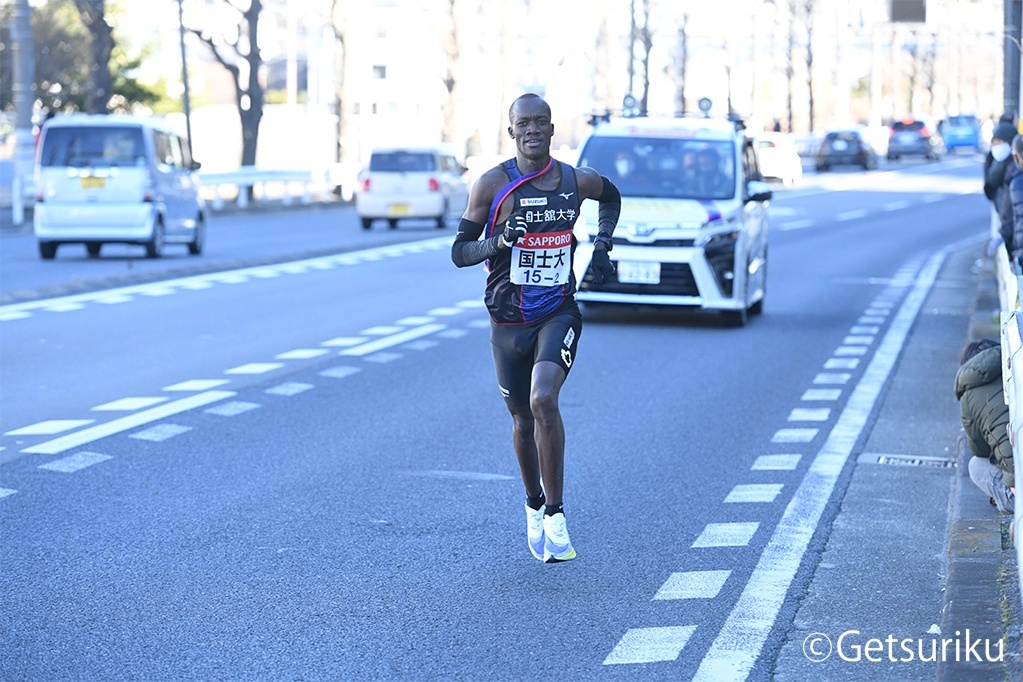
x: 693, y: 227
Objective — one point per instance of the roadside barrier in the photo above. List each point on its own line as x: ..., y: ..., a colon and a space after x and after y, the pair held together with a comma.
x: 250, y: 181
x: 1011, y: 337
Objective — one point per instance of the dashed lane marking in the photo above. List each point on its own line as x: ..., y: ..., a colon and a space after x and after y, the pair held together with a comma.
x: 129, y: 404
x: 301, y: 354
x: 809, y: 414
x: 776, y: 462
x: 131, y: 421
x: 340, y: 372
x: 746, y: 493
x: 735, y: 534
x: 4, y: 492
x: 842, y: 363
x: 850, y: 351
x: 825, y: 394
x: 827, y: 378
x: 75, y: 462
x: 737, y: 646
x: 254, y: 368
x: 49, y: 427
x: 232, y: 409
x: 794, y: 435
x: 392, y: 340
x: 693, y: 585
x: 649, y: 645
x: 289, y: 388
x: 161, y: 432
x: 197, y: 385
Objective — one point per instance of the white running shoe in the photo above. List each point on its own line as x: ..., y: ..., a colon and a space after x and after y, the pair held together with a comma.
x: 534, y: 531
x: 556, y: 545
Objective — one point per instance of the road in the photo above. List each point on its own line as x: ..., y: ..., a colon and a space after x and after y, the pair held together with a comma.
x: 302, y: 469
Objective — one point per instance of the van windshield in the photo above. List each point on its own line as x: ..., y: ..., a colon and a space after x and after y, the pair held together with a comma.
x: 668, y: 168
x: 83, y: 146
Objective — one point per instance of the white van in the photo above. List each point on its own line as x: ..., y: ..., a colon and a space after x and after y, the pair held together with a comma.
x: 115, y: 179
x: 693, y: 227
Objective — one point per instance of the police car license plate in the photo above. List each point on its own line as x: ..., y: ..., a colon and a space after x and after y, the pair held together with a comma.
x: 639, y: 272
x: 398, y: 209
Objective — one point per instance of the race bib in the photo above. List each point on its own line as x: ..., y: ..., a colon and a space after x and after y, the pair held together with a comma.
x: 542, y: 259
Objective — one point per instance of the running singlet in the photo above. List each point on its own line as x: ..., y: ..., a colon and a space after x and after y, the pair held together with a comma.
x: 534, y: 278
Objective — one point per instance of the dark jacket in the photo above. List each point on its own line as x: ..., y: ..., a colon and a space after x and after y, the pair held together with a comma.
x: 985, y: 415
x: 1005, y: 212
x: 994, y: 176
x: 1016, y: 199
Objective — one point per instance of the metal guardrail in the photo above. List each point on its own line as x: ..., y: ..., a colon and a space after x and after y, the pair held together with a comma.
x: 288, y: 185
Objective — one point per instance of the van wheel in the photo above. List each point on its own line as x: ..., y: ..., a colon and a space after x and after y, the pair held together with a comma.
x: 442, y: 219
x: 392, y: 223
x: 47, y: 250
x: 367, y: 223
x: 92, y: 248
x: 195, y: 246
x: 154, y: 247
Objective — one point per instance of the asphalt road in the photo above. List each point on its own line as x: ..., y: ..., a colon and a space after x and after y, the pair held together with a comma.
x: 303, y: 469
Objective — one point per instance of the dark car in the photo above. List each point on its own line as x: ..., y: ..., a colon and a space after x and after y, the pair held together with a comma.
x: 915, y: 137
x: 961, y: 131
x: 845, y: 147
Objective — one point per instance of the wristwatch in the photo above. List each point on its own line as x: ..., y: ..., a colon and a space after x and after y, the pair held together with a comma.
x: 608, y: 242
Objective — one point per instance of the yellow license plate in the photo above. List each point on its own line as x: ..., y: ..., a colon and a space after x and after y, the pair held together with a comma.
x: 399, y: 209
x: 90, y: 182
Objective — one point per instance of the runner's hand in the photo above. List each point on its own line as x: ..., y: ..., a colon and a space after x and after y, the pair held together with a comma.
x: 515, y: 228
x: 601, y: 265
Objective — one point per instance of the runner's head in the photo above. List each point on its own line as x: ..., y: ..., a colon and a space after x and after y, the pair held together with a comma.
x: 531, y: 126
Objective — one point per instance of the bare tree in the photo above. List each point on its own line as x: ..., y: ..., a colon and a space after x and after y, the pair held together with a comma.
x: 807, y: 12
x: 682, y: 62
x: 646, y: 40
x: 101, y: 46
x: 339, y: 24
x: 450, y: 80
x: 235, y: 51
x: 790, y: 63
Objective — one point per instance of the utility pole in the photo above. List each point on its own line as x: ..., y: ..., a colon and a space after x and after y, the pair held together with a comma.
x: 184, y: 78
x: 1011, y: 50
x: 24, y: 74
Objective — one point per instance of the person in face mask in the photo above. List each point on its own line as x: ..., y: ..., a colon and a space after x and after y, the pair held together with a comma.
x: 997, y: 159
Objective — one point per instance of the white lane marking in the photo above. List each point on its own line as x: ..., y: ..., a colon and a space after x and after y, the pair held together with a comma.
x: 414, y: 321
x: 4, y: 492
x: 810, y: 414
x: 75, y: 462
x: 871, y: 319
x: 895, y: 206
x: 232, y: 409
x: 6, y: 316
x: 344, y: 341
x: 196, y: 286
x: 648, y: 645
x: 158, y: 291
x: 842, y: 363
x: 445, y: 312
x: 738, y: 644
x: 49, y: 427
x: 453, y: 333
x: 128, y: 404
x: 865, y: 330
x: 289, y: 388
x: 197, y: 385
x: 393, y: 340
x: 776, y: 462
x: 931, y: 198
x: 71, y: 440
x: 480, y: 324
x: 340, y: 372
x: 734, y: 534
x: 858, y: 340
x: 160, y: 432
x: 254, y: 368
x: 796, y: 225
x: 381, y: 330
x: 832, y: 379
x: 301, y: 354
x: 851, y: 215
x: 811, y: 394
x: 693, y: 585
x: 794, y: 435
x: 753, y: 493
x: 851, y: 350
x: 880, y: 313
x: 64, y: 307
x: 114, y: 299
x: 471, y: 303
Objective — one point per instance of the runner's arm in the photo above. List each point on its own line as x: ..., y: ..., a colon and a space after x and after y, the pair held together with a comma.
x: 468, y: 248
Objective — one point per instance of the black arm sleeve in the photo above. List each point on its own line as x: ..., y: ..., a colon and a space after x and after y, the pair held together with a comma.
x: 468, y: 249
x: 610, y: 208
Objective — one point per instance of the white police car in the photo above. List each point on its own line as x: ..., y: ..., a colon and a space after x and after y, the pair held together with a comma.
x: 693, y: 227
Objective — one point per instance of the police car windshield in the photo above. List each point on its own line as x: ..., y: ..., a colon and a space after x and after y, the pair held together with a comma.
x: 664, y: 168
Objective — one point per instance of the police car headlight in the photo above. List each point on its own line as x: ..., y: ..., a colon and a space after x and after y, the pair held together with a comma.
x: 718, y: 234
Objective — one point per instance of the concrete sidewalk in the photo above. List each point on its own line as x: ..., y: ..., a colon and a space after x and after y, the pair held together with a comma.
x: 912, y: 551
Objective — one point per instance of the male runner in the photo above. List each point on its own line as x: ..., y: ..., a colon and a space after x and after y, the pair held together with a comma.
x: 527, y: 207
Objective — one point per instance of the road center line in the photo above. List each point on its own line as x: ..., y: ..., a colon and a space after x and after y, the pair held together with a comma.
x: 738, y: 644
x: 72, y: 440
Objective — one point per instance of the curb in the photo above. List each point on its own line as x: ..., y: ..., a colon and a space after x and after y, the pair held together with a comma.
x: 977, y: 603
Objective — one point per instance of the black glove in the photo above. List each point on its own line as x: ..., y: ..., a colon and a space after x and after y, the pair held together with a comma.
x: 515, y: 228
x: 601, y: 265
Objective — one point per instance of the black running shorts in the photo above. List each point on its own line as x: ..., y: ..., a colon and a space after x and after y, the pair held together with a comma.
x: 517, y: 347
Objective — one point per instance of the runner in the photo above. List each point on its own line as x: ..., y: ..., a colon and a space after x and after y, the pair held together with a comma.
x: 526, y: 207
